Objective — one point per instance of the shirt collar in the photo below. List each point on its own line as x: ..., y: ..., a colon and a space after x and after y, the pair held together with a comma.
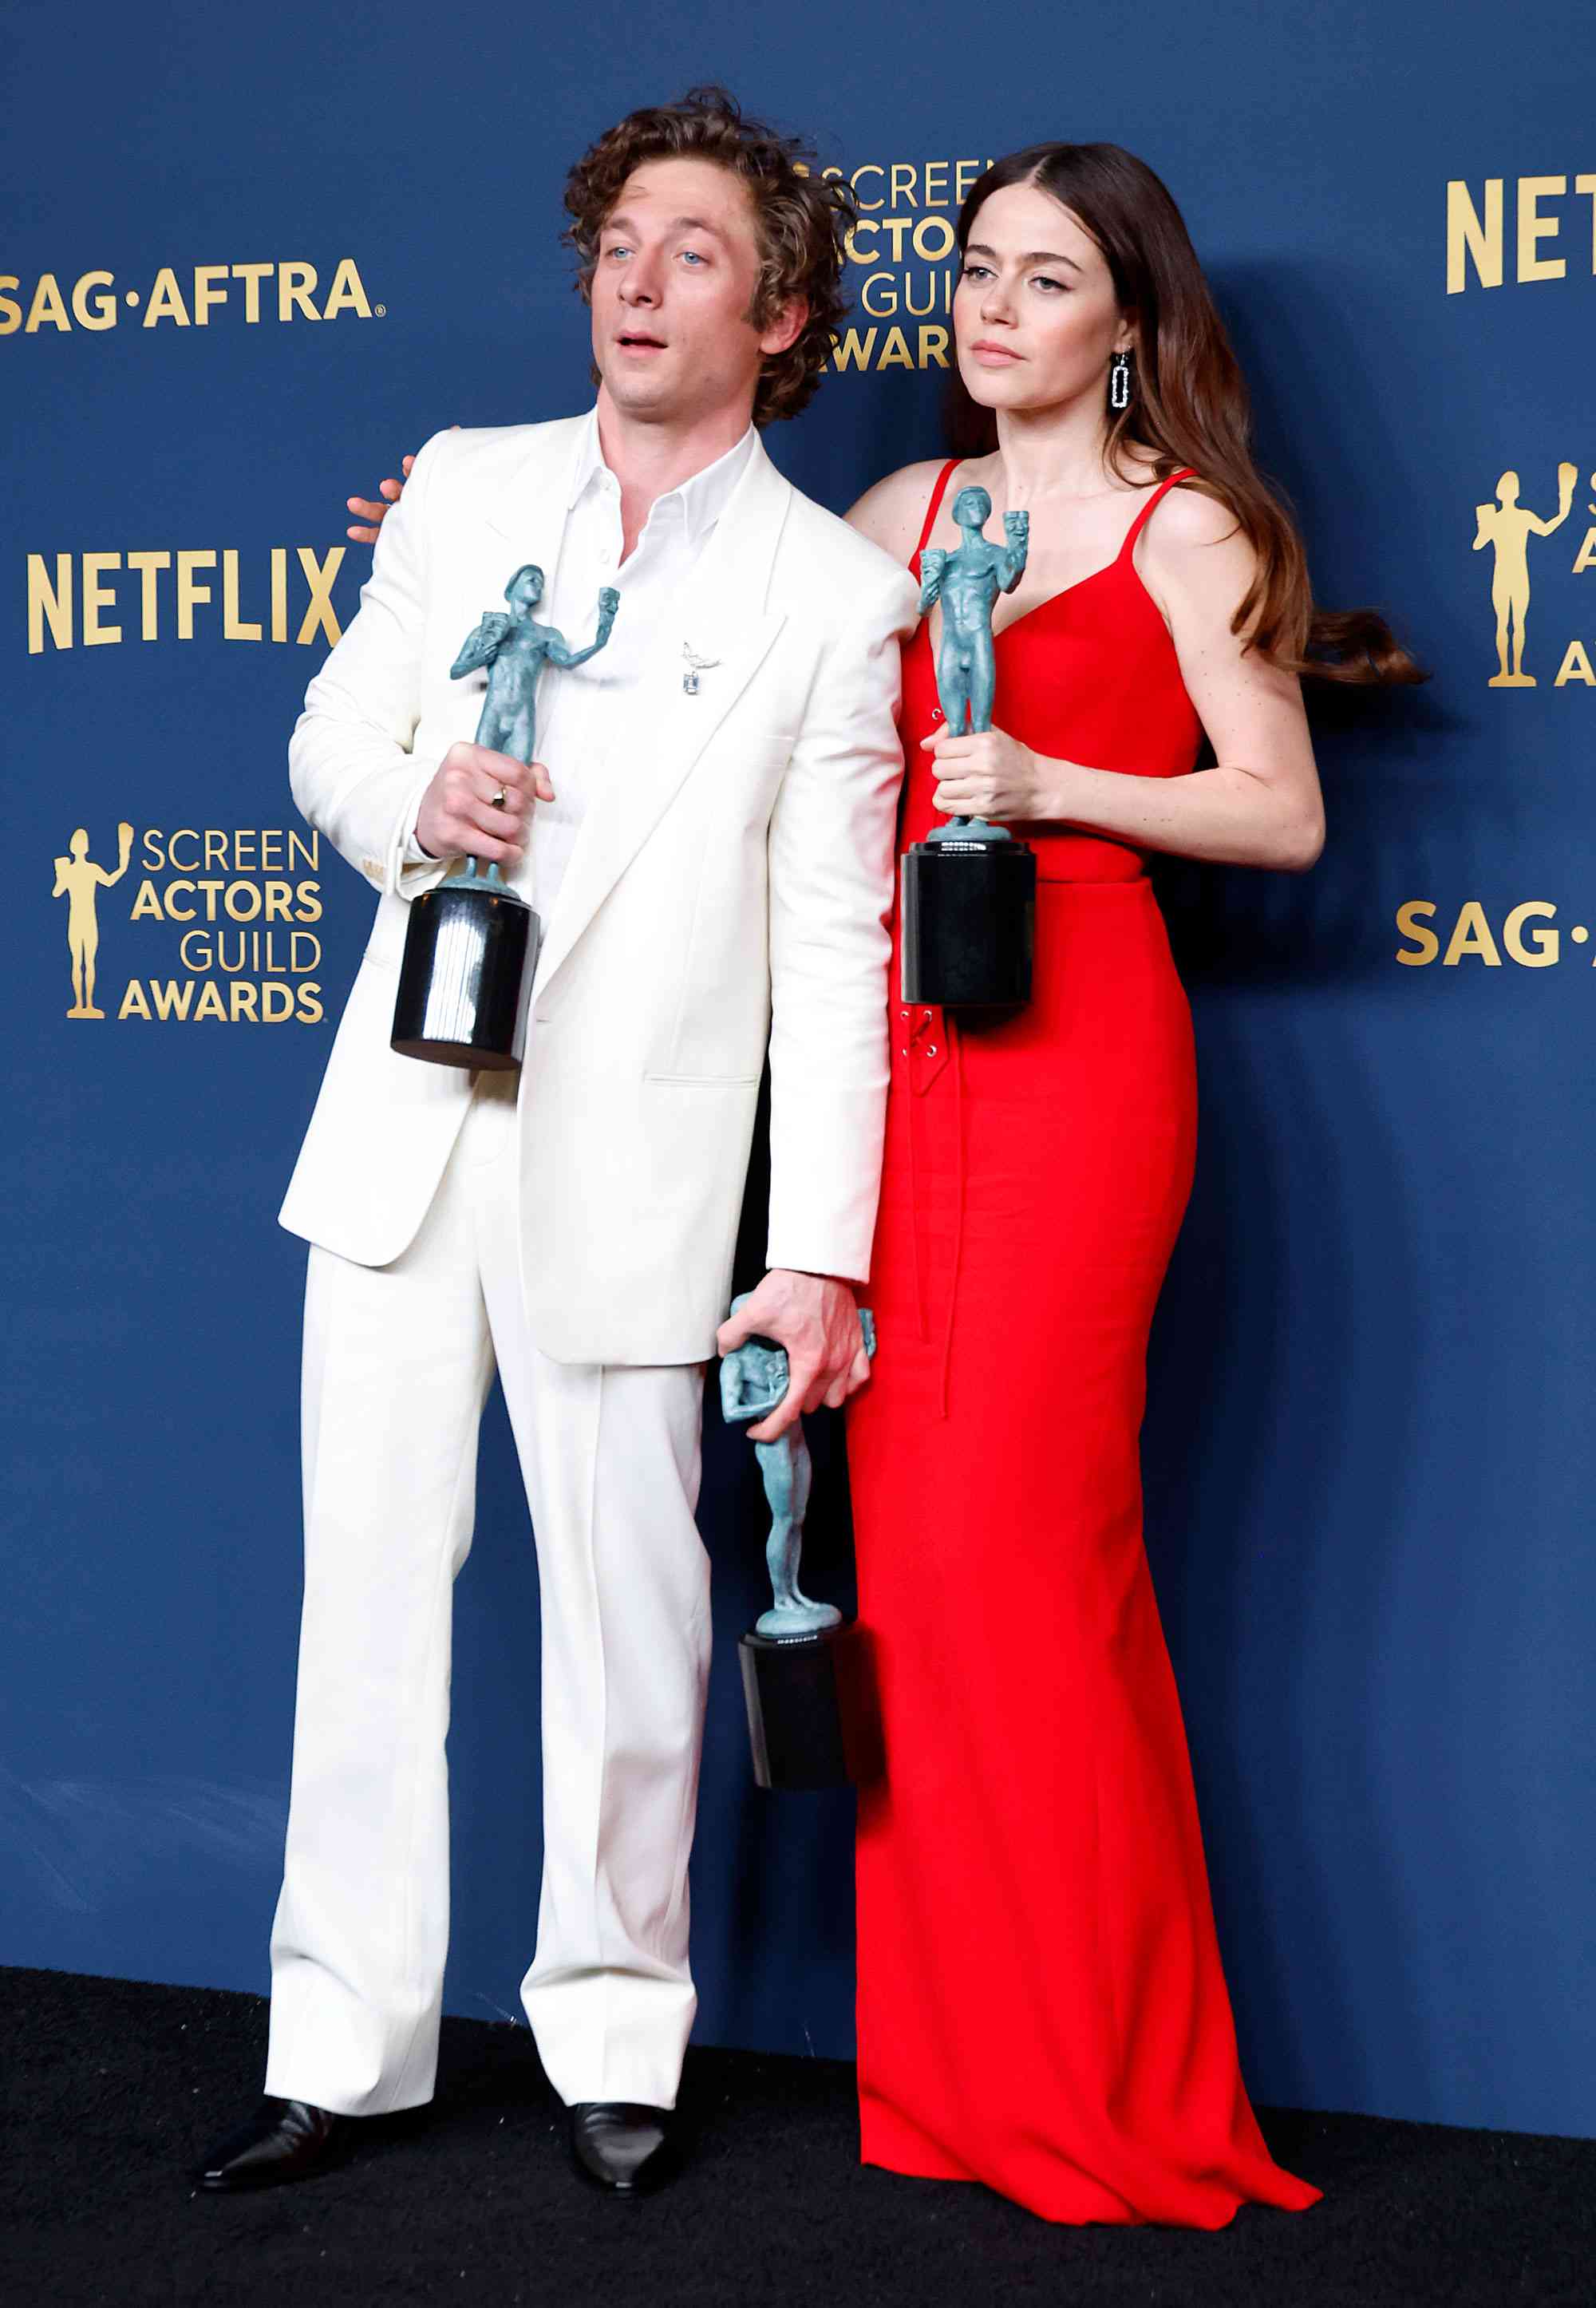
x: 701, y: 498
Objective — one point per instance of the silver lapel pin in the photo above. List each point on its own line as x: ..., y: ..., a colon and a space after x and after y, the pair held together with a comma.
x: 696, y: 666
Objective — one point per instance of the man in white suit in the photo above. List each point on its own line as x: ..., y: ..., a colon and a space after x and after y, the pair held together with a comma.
x: 708, y: 838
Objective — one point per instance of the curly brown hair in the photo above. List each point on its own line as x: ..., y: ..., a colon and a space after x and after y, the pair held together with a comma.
x: 802, y: 220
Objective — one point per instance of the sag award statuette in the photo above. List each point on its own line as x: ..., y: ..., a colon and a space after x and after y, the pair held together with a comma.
x: 471, y: 945
x: 970, y: 887
x: 798, y: 1722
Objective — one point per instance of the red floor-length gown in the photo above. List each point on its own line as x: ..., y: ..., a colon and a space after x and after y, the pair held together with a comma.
x: 1040, y: 2002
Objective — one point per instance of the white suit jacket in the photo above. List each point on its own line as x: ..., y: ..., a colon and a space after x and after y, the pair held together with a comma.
x: 731, y: 885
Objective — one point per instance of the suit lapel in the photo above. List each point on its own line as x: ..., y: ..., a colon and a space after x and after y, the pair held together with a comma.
x: 722, y: 615
x: 532, y: 510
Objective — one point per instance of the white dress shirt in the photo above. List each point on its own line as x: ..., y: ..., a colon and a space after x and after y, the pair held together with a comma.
x: 584, y: 714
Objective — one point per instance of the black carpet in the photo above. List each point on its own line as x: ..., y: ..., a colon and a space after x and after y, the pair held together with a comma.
x: 113, y: 2090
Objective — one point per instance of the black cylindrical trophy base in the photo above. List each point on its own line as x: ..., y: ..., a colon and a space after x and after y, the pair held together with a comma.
x: 969, y: 923
x: 469, y: 949
x: 808, y: 1715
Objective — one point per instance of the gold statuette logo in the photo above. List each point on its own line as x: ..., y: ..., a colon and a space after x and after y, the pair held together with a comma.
x: 80, y: 880
x: 1508, y: 528
x: 231, y: 907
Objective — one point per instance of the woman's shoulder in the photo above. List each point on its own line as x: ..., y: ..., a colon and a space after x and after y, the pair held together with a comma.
x: 1192, y: 513
x: 1194, y: 554
x: 1193, y: 537
x: 891, y: 512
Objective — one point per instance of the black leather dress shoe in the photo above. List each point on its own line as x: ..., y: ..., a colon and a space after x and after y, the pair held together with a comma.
x: 621, y: 2147
x: 284, y: 2140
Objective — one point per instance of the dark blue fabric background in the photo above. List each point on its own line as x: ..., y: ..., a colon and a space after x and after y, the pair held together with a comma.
x: 1368, y: 1452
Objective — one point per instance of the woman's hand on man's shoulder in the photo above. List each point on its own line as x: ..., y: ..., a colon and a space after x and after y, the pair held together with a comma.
x: 373, y: 514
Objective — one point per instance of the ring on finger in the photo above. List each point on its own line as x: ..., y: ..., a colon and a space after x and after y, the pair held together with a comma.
x: 496, y: 801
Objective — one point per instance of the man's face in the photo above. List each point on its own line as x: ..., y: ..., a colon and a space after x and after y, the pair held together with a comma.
x: 678, y: 260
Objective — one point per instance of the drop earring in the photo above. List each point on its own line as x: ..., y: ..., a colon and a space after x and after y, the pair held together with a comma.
x: 1119, y: 381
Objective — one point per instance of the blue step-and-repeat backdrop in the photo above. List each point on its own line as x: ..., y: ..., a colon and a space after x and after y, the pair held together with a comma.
x: 247, y: 262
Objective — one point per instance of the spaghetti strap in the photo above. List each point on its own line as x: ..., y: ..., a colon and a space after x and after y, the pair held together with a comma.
x: 1186, y: 473
x: 936, y: 497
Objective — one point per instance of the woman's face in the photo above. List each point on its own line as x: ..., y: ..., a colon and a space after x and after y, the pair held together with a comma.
x: 1035, y: 316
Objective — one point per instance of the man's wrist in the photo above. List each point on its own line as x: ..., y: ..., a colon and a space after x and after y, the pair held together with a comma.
x: 416, y: 852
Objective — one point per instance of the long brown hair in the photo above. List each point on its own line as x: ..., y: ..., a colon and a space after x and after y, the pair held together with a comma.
x: 1188, y: 402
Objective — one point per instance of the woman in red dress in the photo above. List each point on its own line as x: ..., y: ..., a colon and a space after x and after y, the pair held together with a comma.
x: 1041, y: 2005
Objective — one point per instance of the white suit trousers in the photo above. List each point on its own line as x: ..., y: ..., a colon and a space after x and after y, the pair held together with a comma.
x: 398, y: 1361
